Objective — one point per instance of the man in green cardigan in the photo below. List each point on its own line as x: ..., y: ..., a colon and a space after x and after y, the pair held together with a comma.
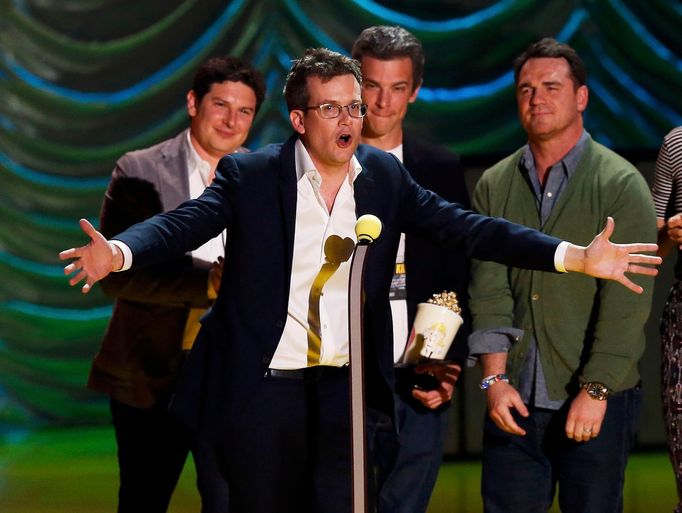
x: 559, y: 352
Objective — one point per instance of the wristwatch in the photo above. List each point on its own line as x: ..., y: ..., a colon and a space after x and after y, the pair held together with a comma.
x: 596, y: 390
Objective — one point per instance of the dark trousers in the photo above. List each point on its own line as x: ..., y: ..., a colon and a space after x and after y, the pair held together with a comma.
x: 407, y: 465
x: 152, y: 449
x: 520, y: 473
x: 289, y: 452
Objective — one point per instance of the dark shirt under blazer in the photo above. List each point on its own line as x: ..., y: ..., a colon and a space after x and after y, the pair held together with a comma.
x: 432, y: 268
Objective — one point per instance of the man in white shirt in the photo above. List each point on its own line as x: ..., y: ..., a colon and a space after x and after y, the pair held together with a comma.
x: 157, y: 309
x: 276, y: 405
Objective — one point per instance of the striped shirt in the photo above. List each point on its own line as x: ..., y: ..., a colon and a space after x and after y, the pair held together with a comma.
x: 667, y: 190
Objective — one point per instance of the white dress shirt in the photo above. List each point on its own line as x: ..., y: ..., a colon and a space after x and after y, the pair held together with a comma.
x: 314, y: 225
x: 200, y: 176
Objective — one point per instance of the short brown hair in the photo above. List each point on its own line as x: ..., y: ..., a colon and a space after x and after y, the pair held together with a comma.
x: 549, y: 47
x: 228, y: 68
x: 316, y: 62
x: 387, y: 43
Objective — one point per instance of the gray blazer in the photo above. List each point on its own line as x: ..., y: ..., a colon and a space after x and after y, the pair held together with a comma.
x: 141, y: 354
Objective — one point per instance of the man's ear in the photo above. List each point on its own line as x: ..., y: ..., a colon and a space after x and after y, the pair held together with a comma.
x: 296, y: 118
x: 191, y: 103
x: 582, y: 97
x: 414, y: 94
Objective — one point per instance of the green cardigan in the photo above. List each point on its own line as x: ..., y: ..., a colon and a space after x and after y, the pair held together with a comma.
x: 587, y: 329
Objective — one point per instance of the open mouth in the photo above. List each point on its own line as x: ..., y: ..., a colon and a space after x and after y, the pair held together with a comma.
x: 344, y: 140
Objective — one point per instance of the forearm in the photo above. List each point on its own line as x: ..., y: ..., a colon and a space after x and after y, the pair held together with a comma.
x: 665, y: 243
x: 494, y: 363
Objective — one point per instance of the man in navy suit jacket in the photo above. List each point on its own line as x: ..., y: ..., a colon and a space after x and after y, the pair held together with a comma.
x: 267, y: 379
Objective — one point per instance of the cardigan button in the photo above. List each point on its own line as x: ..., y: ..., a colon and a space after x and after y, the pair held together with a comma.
x: 535, y: 296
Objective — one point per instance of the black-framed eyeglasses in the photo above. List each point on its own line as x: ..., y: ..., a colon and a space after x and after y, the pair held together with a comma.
x: 332, y: 110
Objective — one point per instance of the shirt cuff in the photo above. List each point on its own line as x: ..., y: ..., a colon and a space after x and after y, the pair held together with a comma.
x: 560, y: 255
x: 493, y: 340
x: 127, y: 255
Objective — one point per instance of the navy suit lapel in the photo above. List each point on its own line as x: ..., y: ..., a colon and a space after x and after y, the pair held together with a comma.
x: 364, y: 189
x: 287, y: 194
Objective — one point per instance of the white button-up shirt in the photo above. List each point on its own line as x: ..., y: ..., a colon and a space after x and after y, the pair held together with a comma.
x: 314, y: 225
x: 200, y: 176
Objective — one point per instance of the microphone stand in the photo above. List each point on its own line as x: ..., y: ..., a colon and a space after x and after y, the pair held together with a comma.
x: 357, y: 378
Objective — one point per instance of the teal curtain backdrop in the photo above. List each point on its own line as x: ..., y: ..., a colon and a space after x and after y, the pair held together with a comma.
x: 83, y: 81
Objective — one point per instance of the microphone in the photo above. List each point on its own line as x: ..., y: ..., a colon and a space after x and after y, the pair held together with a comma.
x: 367, y: 228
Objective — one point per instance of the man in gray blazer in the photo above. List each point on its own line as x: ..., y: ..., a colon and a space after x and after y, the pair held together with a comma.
x: 156, y: 312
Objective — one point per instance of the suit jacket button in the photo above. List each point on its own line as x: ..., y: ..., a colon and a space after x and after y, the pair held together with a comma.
x: 280, y: 324
x: 266, y: 360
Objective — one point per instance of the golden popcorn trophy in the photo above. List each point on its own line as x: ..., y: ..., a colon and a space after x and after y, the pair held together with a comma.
x: 435, y: 326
